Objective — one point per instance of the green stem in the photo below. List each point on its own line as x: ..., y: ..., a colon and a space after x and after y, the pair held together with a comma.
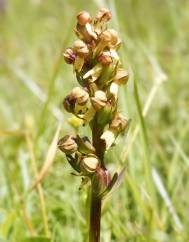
x: 95, y: 216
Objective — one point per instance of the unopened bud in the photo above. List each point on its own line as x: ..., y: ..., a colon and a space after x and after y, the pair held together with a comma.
x: 67, y: 144
x: 119, y: 123
x: 109, y: 36
x: 99, y: 100
x: 101, y: 180
x: 105, y: 58
x: 89, y: 164
x: 121, y: 77
x: 106, y: 36
x: 69, y: 56
x: 83, y: 18
x: 103, y: 15
x: 80, y: 48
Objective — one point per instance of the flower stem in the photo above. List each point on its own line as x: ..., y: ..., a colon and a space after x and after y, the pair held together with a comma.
x: 95, y: 216
x: 96, y: 200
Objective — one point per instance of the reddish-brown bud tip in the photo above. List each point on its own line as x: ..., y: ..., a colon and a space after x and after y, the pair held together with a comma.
x: 105, y: 58
x: 83, y: 18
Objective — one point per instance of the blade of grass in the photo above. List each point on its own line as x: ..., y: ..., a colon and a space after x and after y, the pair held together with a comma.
x: 49, y: 158
x: 146, y: 151
x: 180, y: 150
x: 164, y: 194
x: 39, y: 187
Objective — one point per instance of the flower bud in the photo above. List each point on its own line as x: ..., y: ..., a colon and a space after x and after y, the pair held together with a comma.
x: 80, y: 48
x: 121, y: 77
x: 105, y: 58
x: 99, y: 100
x: 67, y: 144
x: 104, y: 15
x: 119, y: 123
x: 101, y: 180
x: 109, y: 36
x: 69, y: 56
x: 89, y: 164
x: 106, y: 36
x: 83, y: 18
x: 80, y: 95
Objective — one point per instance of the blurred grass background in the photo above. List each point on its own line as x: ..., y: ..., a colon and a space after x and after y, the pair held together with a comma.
x: 152, y: 202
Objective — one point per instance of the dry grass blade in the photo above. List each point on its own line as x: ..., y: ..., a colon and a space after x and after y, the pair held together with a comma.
x: 49, y: 159
x: 166, y: 198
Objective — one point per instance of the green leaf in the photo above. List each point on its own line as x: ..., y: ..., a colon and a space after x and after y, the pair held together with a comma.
x: 110, y: 186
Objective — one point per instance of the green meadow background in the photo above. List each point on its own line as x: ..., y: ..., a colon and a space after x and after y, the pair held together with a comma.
x: 152, y: 203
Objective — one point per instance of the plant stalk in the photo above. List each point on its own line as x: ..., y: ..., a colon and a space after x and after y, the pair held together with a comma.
x: 95, y: 217
x: 96, y: 200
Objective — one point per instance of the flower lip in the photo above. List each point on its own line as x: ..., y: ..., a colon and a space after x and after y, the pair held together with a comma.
x: 103, y: 15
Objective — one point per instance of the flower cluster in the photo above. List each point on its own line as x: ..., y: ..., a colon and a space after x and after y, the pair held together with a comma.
x: 99, y: 72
